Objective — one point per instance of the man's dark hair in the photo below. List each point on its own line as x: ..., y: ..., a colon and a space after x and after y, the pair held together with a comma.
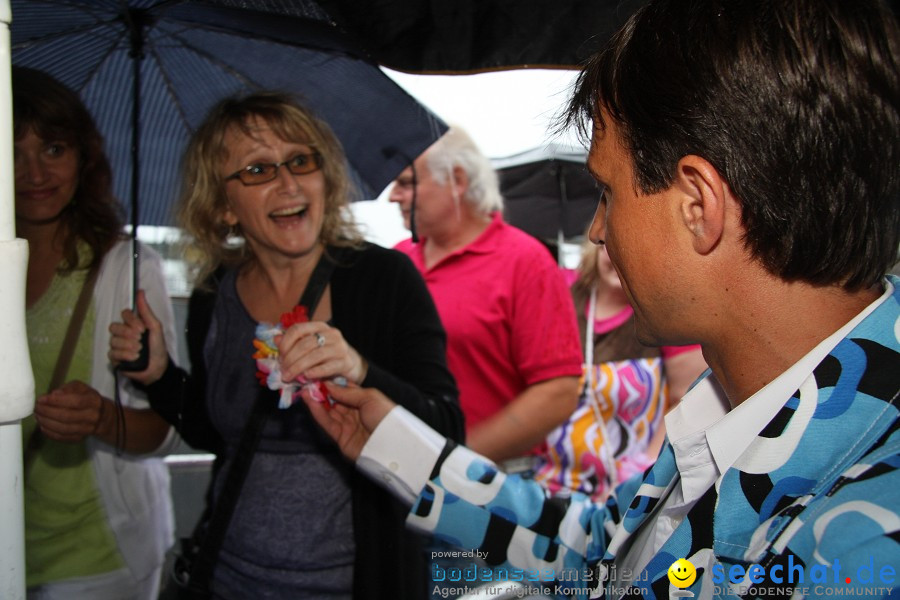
x: 794, y: 102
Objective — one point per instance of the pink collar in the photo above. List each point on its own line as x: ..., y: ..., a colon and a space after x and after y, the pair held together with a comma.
x: 608, y: 324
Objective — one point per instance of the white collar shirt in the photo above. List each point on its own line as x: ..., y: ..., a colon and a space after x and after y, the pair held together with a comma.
x: 708, y: 439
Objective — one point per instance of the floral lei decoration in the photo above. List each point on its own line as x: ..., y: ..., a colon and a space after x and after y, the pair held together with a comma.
x: 269, y: 369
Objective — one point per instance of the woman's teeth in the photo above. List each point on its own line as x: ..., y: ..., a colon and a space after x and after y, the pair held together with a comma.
x: 289, y: 212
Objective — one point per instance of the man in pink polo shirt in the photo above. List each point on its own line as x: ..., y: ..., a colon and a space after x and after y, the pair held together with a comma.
x: 512, y: 339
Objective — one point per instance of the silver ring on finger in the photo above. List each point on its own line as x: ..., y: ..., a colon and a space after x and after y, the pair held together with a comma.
x: 320, y: 339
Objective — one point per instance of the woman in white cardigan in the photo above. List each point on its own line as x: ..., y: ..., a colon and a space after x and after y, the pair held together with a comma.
x: 98, y: 511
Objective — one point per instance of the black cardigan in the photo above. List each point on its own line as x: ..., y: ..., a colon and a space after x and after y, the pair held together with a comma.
x: 383, y: 309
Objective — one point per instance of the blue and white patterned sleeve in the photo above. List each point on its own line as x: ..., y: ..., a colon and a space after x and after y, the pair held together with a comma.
x: 401, y: 453
x: 464, y: 499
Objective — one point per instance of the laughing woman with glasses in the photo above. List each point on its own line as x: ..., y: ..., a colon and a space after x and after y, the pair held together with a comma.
x: 265, y: 200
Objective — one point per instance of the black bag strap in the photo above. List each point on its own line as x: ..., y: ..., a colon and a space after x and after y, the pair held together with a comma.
x: 217, y: 526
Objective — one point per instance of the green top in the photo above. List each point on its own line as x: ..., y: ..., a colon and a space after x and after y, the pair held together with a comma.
x: 66, y: 530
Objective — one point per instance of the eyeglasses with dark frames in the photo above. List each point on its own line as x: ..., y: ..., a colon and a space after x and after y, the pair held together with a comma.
x: 258, y: 173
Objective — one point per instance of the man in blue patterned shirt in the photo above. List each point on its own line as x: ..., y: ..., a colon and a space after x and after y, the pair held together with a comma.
x: 748, y: 152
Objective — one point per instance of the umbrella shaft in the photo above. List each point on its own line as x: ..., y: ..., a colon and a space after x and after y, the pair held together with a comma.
x: 136, y: 21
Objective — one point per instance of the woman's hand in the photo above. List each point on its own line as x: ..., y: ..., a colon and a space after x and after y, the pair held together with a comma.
x: 125, y: 343
x: 72, y: 412
x: 351, y: 421
x: 317, y: 351
x: 76, y: 411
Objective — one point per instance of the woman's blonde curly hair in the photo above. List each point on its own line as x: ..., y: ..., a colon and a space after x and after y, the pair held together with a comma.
x: 203, y: 203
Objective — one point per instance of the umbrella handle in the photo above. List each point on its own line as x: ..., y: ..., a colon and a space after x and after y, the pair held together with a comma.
x: 143, y: 359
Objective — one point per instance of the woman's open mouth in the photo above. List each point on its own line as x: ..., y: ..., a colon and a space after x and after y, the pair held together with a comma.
x: 293, y: 213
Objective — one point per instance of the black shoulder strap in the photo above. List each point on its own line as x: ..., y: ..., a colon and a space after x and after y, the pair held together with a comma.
x: 217, y: 526
x: 319, y: 279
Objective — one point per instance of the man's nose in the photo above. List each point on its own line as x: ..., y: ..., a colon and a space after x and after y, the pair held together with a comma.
x: 397, y: 194
x: 597, y: 232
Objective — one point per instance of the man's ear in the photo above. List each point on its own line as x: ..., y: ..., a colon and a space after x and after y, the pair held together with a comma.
x: 703, y: 200
x: 460, y: 181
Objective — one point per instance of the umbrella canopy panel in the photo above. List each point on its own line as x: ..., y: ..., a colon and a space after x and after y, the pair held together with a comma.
x: 548, y: 192
x: 434, y: 36
x: 195, y: 53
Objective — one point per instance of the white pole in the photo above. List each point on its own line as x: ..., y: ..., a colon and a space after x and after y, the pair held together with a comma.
x: 16, y: 379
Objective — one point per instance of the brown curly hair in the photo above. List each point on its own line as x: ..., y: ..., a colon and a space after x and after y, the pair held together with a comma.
x: 54, y: 112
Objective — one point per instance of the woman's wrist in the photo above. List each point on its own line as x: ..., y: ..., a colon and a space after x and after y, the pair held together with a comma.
x: 358, y: 373
x: 105, y: 424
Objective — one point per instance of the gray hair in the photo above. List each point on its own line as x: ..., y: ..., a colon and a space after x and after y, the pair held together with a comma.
x: 456, y: 149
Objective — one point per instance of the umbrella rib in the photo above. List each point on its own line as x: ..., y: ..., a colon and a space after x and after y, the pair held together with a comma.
x: 215, y: 61
x: 53, y: 36
x: 171, y: 90
x: 50, y: 37
x: 106, y: 54
x: 115, y: 37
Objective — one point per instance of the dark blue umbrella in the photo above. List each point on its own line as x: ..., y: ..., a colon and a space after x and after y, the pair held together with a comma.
x: 150, y: 69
